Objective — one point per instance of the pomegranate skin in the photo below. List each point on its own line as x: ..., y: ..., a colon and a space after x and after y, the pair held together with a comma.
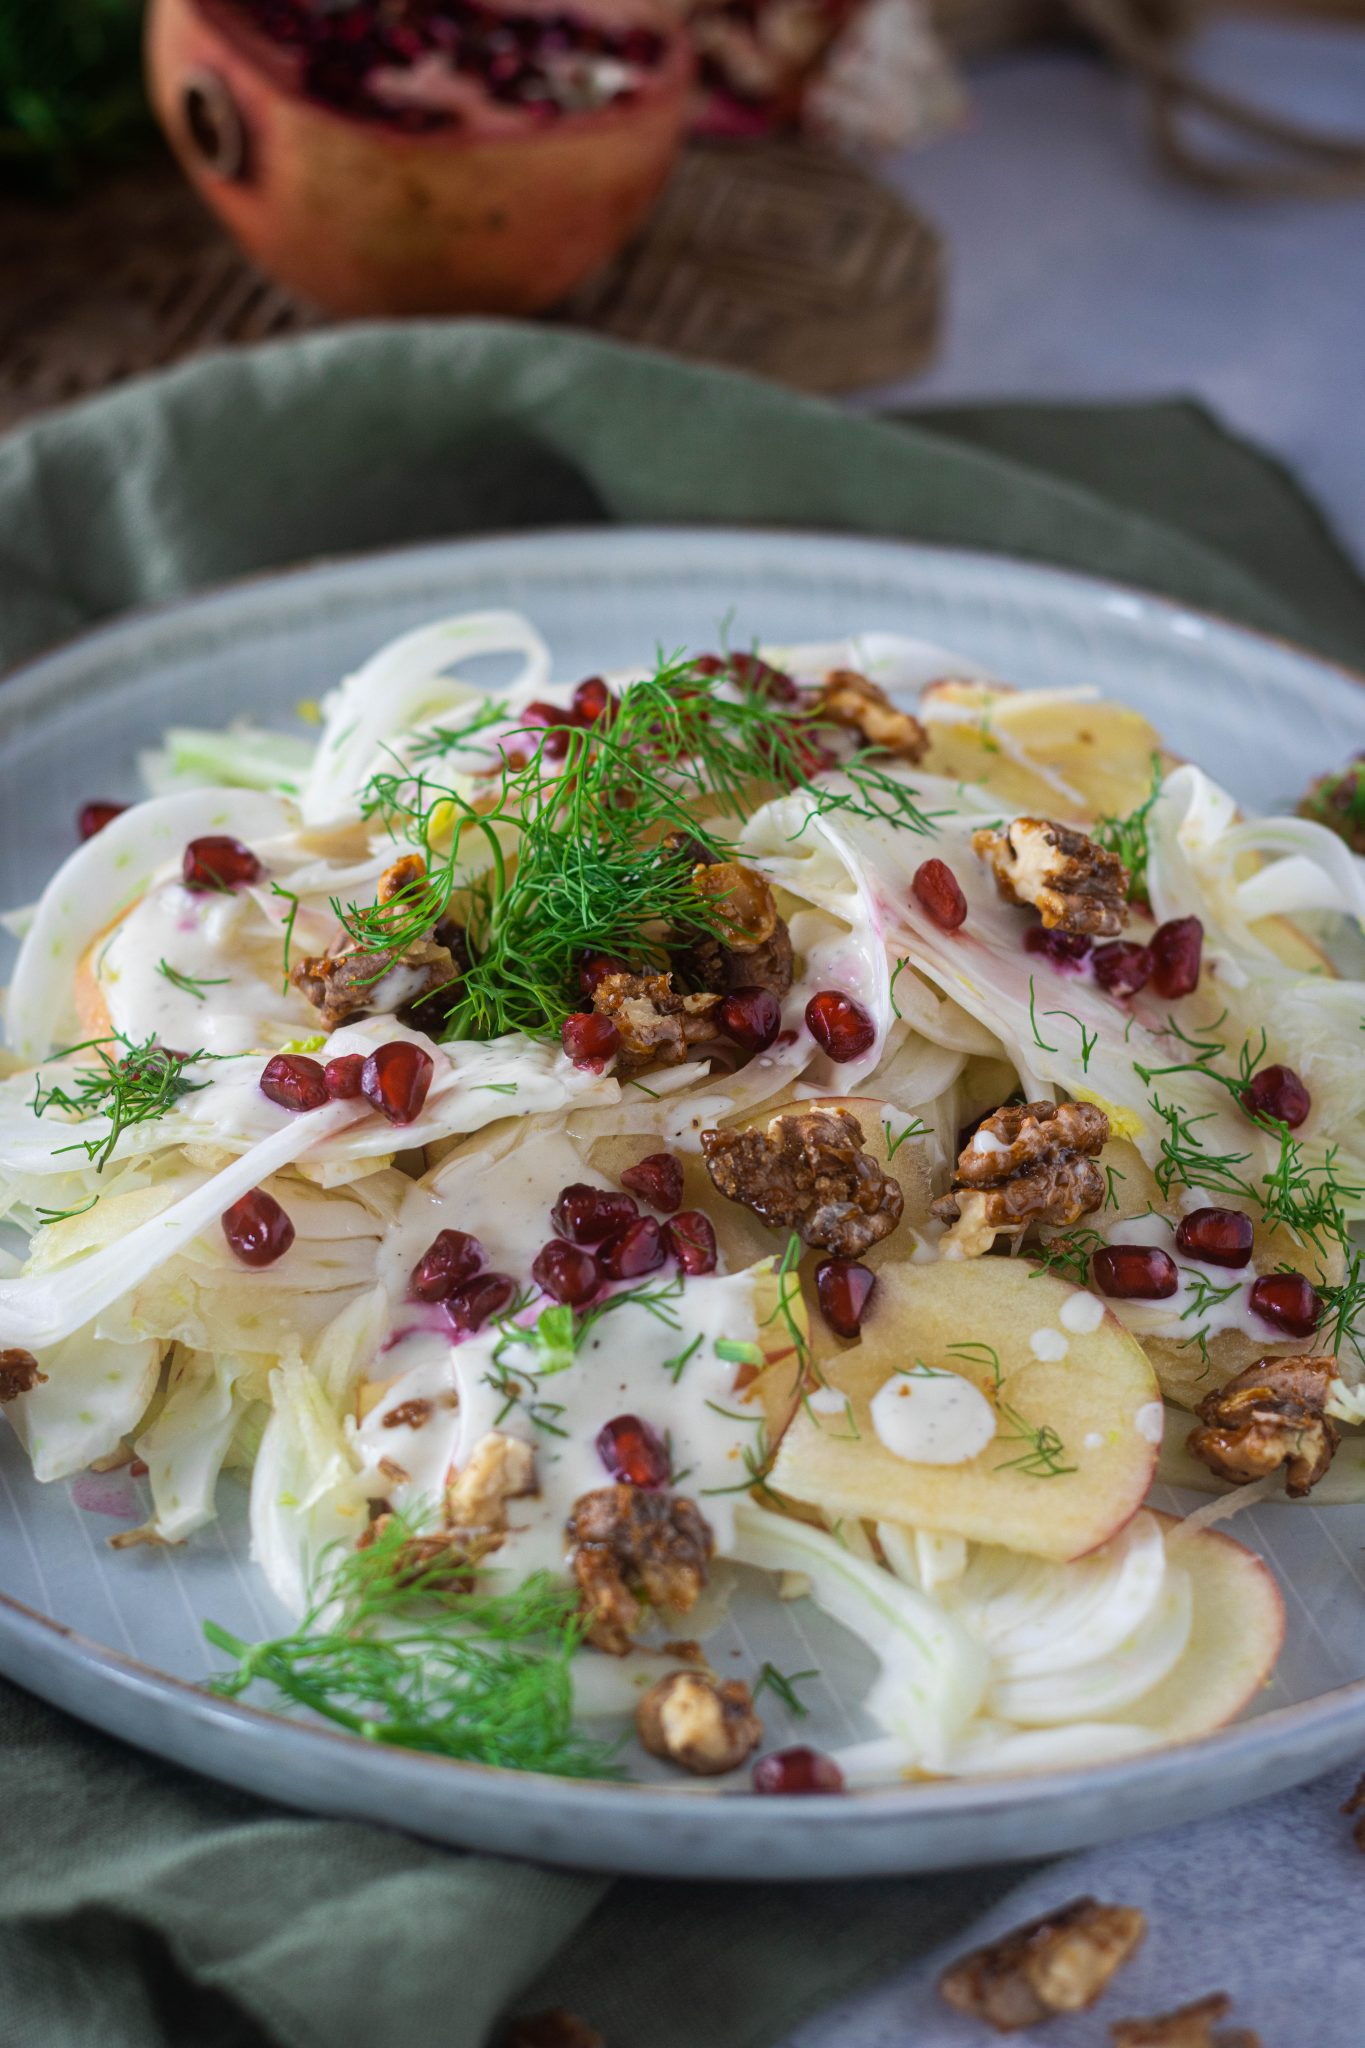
x: 363, y: 218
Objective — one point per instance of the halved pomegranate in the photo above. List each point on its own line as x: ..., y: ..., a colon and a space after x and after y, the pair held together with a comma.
x: 424, y: 156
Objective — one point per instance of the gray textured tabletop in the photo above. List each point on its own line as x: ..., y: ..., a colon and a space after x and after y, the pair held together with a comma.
x: 1079, y: 270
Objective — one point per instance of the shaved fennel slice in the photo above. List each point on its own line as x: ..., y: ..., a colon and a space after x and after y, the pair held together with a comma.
x: 96, y: 1392
x: 101, y: 879
x: 933, y: 1675
x: 239, y: 756
x: 1054, y: 1618
x: 993, y: 1750
x: 185, y: 1446
x: 1107, y: 1685
x: 306, y: 1492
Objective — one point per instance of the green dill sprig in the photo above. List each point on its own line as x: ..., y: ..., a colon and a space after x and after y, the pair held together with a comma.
x: 1044, y: 1450
x: 784, y: 1684
x: 1343, y: 1320
x: 190, y: 984
x: 1128, y: 836
x: 135, y: 1086
x: 1206, y: 1294
x: 1067, y: 1254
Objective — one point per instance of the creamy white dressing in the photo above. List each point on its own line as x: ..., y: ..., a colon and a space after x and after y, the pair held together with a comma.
x: 932, y: 1418
x: 1048, y: 1344
x: 1081, y: 1313
x: 209, y: 998
x: 1207, y: 1297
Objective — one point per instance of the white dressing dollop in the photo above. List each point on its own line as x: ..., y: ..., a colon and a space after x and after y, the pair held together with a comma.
x: 932, y: 1417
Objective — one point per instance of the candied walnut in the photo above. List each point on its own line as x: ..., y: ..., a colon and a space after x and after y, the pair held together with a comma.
x: 498, y: 1469
x: 1076, y: 885
x: 20, y: 1373
x: 754, y: 950
x: 1060, y: 1962
x: 355, y: 980
x: 1356, y: 1805
x: 696, y: 1722
x: 632, y: 1549
x: 1338, y: 802
x: 557, y: 2028
x: 855, y: 701
x: 808, y: 1172
x: 1191, y: 2026
x: 656, y: 1022
x: 1270, y: 1415
x: 1031, y: 1162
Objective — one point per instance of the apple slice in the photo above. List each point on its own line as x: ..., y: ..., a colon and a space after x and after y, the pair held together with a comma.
x: 1236, y: 1635
x: 1032, y: 748
x: 987, y: 1320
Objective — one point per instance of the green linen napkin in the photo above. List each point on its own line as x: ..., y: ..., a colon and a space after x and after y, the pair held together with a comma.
x: 141, y: 1907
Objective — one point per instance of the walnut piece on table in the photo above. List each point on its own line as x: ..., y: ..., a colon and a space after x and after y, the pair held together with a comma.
x: 1060, y: 1962
x: 849, y: 699
x: 20, y: 1373
x: 1031, y: 1162
x: 557, y: 2028
x: 697, y: 1722
x: 808, y: 1172
x: 658, y: 1024
x: 1075, y: 885
x: 1189, y: 2026
x: 633, y: 1550
x: 355, y: 981
x: 1270, y: 1415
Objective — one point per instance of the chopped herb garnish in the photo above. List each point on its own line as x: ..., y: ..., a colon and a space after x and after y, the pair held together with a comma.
x: 1068, y: 1254
x: 784, y: 1684
x: 1042, y: 1457
x: 136, y: 1086
x: 190, y: 984
x: 1128, y: 836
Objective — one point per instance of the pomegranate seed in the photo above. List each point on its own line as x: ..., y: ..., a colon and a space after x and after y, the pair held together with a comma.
x: 585, y: 1215
x: 593, y: 700
x: 1277, y: 1092
x: 939, y: 895
x: 294, y: 1081
x: 1135, y: 1272
x: 1288, y: 1301
x: 449, y: 1262
x: 1221, y: 1237
x: 557, y: 723
x: 1121, y: 967
x: 840, y: 1026
x: 588, y: 1039
x: 93, y: 817
x: 217, y: 863
x: 844, y: 1290
x: 1177, y: 950
x: 633, y: 1453
x: 748, y: 671
x: 637, y: 1249
x: 1062, y: 949
x: 395, y: 1079
x: 594, y: 968
x: 796, y: 1770
x: 343, y: 1075
x: 566, y: 1272
x: 658, y: 1180
x: 471, y: 1306
x: 692, y: 1241
x: 257, y: 1230
x: 751, y: 1017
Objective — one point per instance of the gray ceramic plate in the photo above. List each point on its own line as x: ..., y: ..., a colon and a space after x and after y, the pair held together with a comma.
x: 115, y: 1636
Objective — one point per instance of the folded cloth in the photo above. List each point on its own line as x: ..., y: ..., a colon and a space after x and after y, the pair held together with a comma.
x: 141, y: 1907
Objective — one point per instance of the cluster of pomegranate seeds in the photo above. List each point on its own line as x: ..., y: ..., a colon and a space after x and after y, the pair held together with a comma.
x: 844, y: 1289
x: 633, y: 1453
x: 1135, y: 1272
x: 692, y: 1241
x: 589, y: 1040
x: 585, y: 1215
x: 796, y: 1770
x: 658, y: 1180
x: 840, y: 1026
x: 1122, y: 967
x: 1177, y: 953
x: 558, y: 724
x: 1288, y: 1301
x: 1221, y: 1237
x: 750, y: 673
x: 257, y: 1230
x: 567, y: 1272
x: 93, y: 817
x: 634, y: 1250
x: 750, y: 1017
x: 476, y: 1303
x: 1064, y: 950
x: 395, y: 1079
x: 219, y: 863
x: 294, y: 1081
x: 449, y: 1262
x: 344, y: 1075
x: 1279, y: 1093
x: 939, y: 895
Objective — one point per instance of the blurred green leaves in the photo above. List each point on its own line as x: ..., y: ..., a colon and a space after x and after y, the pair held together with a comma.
x: 71, y: 95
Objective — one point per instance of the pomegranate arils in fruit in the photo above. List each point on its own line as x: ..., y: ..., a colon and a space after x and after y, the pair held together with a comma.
x: 589, y: 1040
x: 1135, y: 1272
x: 294, y: 1081
x: 567, y: 1272
x: 796, y: 1770
x: 637, y: 1249
x: 1121, y: 967
x: 692, y: 1241
x: 472, y: 1305
x: 257, y: 1230
x: 1220, y: 1237
x: 1177, y: 950
x: 939, y: 895
x: 750, y: 1017
x: 585, y: 1214
x: 1064, y: 950
x: 592, y: 700
x: 93, y: 817
x: 1277, y: 1092
x: 1287, y: 1301
x: 633, y: 1453
x: 844, y: 1289
x: 395, y: 1079
x: 449, y: 1262
x: 840, y: 1026
x: 343, y: 1075
x: 658, y: 1180
x: 219, y: 863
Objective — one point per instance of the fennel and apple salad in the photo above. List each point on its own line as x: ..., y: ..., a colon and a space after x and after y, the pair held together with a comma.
x: 798, y: 1111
